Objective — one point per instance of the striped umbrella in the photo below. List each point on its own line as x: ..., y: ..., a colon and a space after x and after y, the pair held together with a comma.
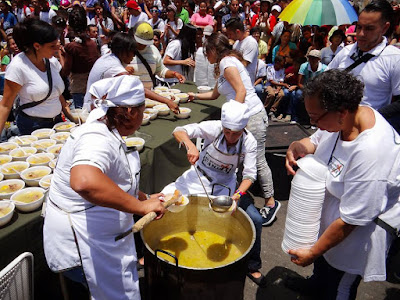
x: 319, y: 12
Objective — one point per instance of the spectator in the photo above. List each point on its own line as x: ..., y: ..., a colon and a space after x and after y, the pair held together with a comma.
x: 349, y: 40
x: 260, y: 79
x: 104, y: 24
x: 262, y: 46
x: 261, y: 20
x: 204, y: 71
x: 181, y: 13
x: 173, y: 23
x: 7, y: 18
x: 135, y: 15
x: 157, y: 42
x: 274, y: 86
x: 23, y: 11
x: 245, y: 44
x: 305, y: 40
x: 234, y: 13
x: 284, y: 46
x: 46, y: 13
x: 328, y: 53
x: 202, y: 19
x: 273, y: 20
x: 12, y: 51
x: 155, y: 21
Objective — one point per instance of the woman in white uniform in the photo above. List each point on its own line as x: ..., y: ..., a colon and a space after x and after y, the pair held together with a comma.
x: 227, y: 145
x: 95, y: 192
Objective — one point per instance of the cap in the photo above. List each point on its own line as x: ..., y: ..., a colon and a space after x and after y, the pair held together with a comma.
x: 144, y: 34
x: 277, y: 8
x: 314, y: 53
x: 76, y: 2
x: 234, y: 115
x: 132, y: 4
x: 171, y: 7
x: 208, y: 30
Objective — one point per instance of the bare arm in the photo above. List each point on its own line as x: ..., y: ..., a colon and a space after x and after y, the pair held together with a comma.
x: 66, y: 110
x: 11, y: 90
x: 300, y: 82
x: 186, y: 62
x: 154, y: 96
x: 214, y: 94
x: 192, y: 152
x: 97, y: 188
x: 233, y: 77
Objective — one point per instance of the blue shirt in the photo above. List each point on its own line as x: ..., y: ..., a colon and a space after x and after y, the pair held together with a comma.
x: 9, y: 20
x: 305, y: 70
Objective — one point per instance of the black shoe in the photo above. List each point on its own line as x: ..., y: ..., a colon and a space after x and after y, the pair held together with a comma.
x: 260, y: 281
x: 268, y: 214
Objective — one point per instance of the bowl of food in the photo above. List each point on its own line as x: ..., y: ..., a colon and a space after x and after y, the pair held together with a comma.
x: 55, y: 150
x: 52, y: 163
x: 12, y: 170
x: 9, y: 187
x: 184, y: 112
x: 23, y: 140
x: 43, y: 133
x: 6, y: 147
x: 146, y: 119
x: 79, y: 113
x: 151, y: 112
x: 174, y: 91
x: 203, y: 89
x: 135, y: 142
x: 167, y: 95
x: 32, y: 175
x: 40, y: 159
x: 161, y: 88
x: 21, y: 154
x: 42, y: 145
x: 151, y: 103
x: 176, y: 100
x: 183, y: 97
x: 28, y: 199
x: 7, y: 208
x: 45, y: 181
x: 163, y: 109
x: 60, y: 137
x: 5, y: 158
x: 64, y: 126
x: 179, y: 205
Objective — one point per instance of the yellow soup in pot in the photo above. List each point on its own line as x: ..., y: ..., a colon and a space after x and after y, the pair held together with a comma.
x: 202, y: 249
x: 10, y: 188
x: 4, y: 211
x: 28, y: 197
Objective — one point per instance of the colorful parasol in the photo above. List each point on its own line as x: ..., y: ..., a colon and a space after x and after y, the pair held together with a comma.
x: 319, y: 12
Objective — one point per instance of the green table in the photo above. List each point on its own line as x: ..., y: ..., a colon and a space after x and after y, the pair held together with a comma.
x: 162, y: 162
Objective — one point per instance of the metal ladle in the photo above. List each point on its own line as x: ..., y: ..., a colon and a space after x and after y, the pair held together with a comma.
x: 219, y: 204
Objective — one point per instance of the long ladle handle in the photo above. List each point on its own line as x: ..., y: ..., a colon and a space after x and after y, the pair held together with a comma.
x: 198, y: 175
x: 148, y: 217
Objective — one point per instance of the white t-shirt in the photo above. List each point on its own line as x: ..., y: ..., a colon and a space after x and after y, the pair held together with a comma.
x: 175, y: 26
x: 327, y: 54
x: 224, y: 87
x: 204, y: 71
x: 249, y: 48
x: 381, y: 74
x: 272, y: 74
x: 356, y: 192
x: 133, y: 20
x: 35, y: 85
x: 160, y: 25
x: 21, y: 15
x: 106, y: 66
x: 174, y: 51
x: 107, y: 23
x: 47, y: 15
x: 261, y: 69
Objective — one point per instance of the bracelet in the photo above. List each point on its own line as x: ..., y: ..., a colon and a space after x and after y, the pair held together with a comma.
x: 240, y: 193
x: 196, y: 96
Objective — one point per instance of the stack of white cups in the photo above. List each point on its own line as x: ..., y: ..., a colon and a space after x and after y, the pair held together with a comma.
x: 306, y: 198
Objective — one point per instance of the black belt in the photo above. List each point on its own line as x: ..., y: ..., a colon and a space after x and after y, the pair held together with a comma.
x: 392, y: 231
x: 38, y: 118
x: 204, y: 173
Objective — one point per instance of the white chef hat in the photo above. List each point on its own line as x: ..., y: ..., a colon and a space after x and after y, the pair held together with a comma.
x: 234, y: 115
x: 124, y: 90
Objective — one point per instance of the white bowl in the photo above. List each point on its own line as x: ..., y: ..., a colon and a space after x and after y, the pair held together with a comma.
x: 184, y: 112
x: 60, y: 137
x: 45, y: 181
x: 6, y: 205
x: 203, y: 89
x: 16, y: 185
x: 146, y: 119
x: 42, y: 145
x: 151, y: 103
x: 315, y: 168
x: 20, y: 154
x: 55, y: 150
x: 79, y: 113
x: 151, y: 112
x: 5, y: 158
x: 176, y: 100
x: 29, y: 206
x: 167, y: 95
x: 163, y: 109
x: 32, y: 176
x: 43, y: 133
x: 182, y: 202
x: 6, y: 147
x: 135, y: 141
x: 64, y: 126
x: 40, y: 159
x: 183, y: 97
x: 161, y: 88
x: 52, y: 163
x: 23, y: 140
x: 174, y: 91
x: 19, y: 166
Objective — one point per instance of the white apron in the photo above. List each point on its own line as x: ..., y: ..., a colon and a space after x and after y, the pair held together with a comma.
x: 217, y: 171
x: 86, y: 238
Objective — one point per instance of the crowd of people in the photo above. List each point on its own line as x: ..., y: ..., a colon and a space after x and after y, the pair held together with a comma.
x: 72, y: 54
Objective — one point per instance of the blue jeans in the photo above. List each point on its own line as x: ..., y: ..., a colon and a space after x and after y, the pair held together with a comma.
x: 257, y: 125
x: 28, y: 124
x: 78, y: 99
x: 293, y: 98
x: 260, y: 92
x: 247, y: 204
x: 76, y: 274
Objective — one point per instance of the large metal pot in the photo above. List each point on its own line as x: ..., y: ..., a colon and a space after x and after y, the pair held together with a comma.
x: 167, y: 280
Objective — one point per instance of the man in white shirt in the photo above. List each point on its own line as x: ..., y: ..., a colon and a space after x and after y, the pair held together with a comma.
x: 136, y: 15
x: 248, y: 46
x: 381, y: 73
x: 204, y: 71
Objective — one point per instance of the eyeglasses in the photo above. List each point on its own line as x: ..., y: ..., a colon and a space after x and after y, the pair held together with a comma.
x: 315, y: 121
x: 154, y: 10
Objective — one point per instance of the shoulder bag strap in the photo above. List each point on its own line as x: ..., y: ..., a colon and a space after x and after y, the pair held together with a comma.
x: 35, y: 103
x: 148, y: 68
x: 359, y: 61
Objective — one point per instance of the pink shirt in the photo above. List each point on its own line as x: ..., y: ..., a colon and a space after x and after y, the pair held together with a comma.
x: 202, y: 21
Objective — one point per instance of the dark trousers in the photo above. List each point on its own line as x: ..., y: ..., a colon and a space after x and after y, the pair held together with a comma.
x: 26, y: 124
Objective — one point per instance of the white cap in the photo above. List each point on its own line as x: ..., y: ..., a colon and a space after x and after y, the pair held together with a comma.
x: 314, y: 53
x: 234, y: 115
x: 277, y: 8
x: 124, y: 90
x: 208, y: 30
